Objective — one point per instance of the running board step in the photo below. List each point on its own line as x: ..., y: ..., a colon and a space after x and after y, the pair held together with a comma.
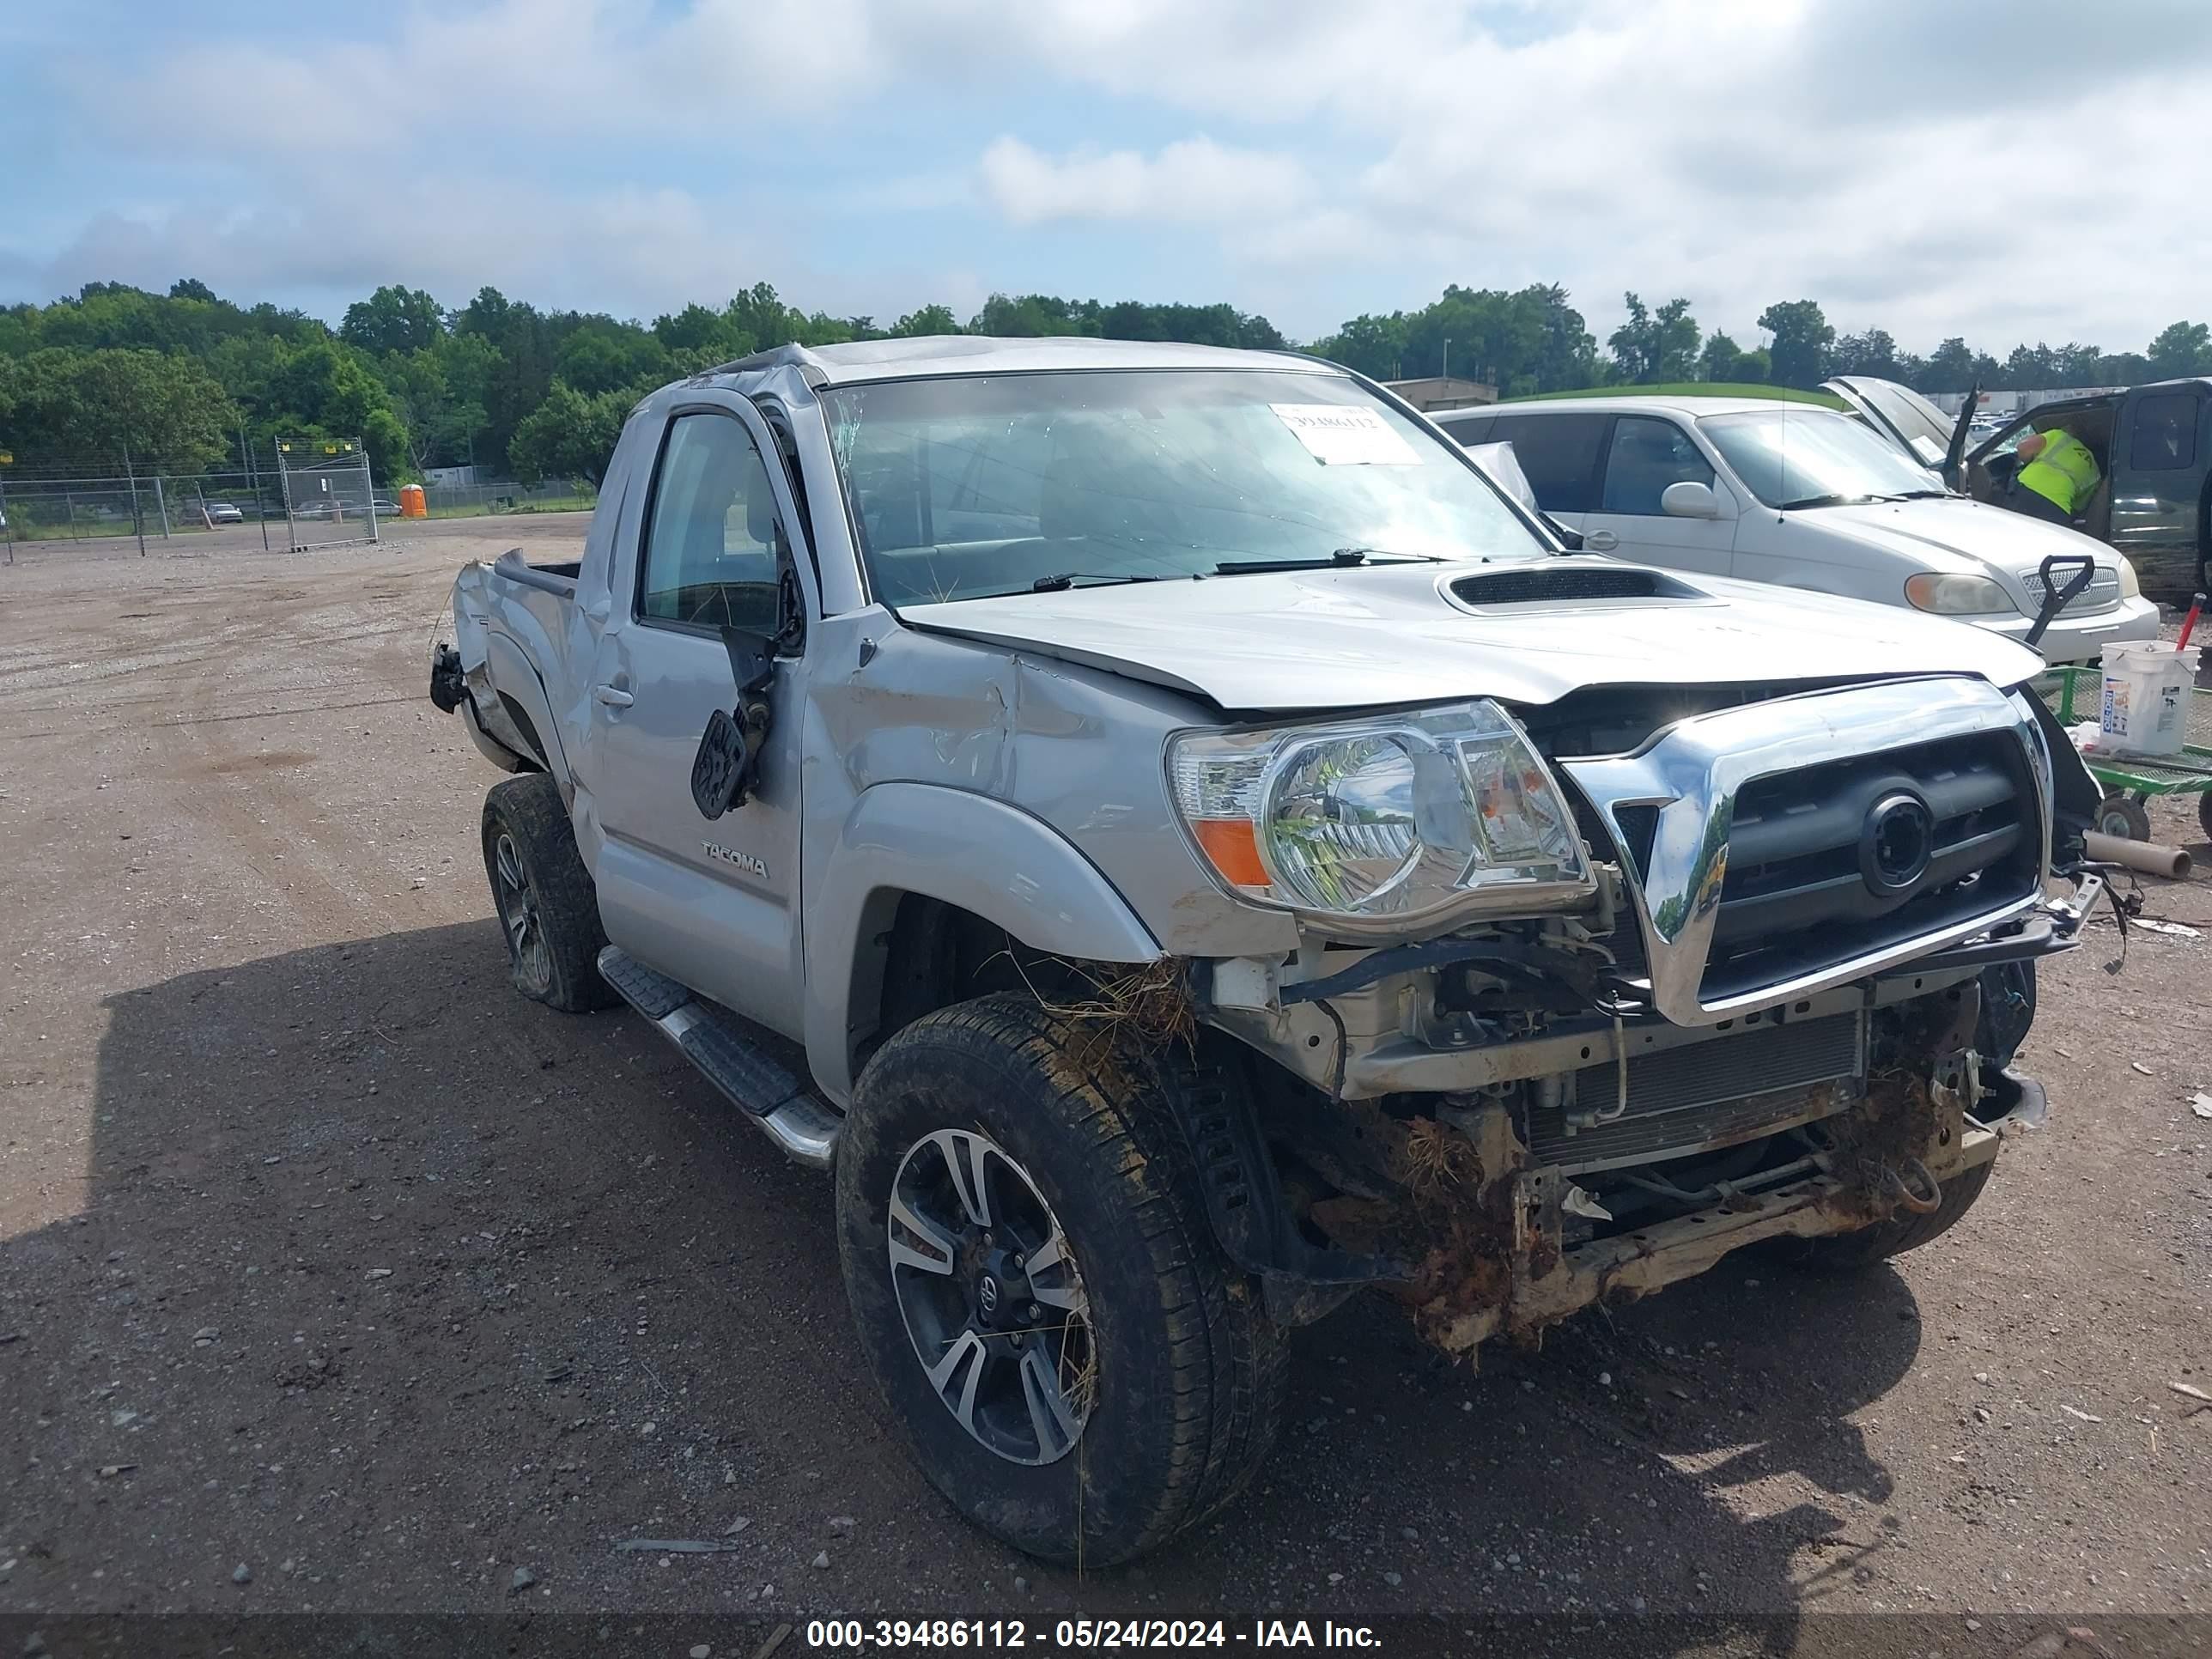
x: 715, y: 1041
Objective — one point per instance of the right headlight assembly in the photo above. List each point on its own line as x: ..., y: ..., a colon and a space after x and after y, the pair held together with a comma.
x: 1375, y: 826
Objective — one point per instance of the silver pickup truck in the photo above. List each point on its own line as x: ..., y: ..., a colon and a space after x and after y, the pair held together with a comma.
x: 1216, y: 853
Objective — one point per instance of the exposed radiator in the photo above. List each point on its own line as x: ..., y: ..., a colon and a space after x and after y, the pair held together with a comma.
x: 1707, y: 1095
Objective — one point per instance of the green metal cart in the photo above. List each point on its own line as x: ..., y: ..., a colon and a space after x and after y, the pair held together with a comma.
x: 2076, y: 694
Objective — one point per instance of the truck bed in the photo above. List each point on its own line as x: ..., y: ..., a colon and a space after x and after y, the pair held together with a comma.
x: 521, y: 637
x: 559, y: 579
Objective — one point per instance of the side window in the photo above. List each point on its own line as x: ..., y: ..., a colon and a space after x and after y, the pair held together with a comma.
x: 714, y: 543
x: 2163, y: 436
x: 1646, y: 456
x: 1559, y: 452
x: 1470, y: 432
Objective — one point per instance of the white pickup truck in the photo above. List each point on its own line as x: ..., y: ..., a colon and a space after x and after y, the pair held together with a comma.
x: 1216, y: 855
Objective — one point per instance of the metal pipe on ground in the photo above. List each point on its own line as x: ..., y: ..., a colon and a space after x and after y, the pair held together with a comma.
x: 2147, y: 856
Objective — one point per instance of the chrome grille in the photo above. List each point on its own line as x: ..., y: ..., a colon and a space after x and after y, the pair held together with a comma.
x: 2103, y: 592
x: 1670, y: 807
x: 1795, y: 889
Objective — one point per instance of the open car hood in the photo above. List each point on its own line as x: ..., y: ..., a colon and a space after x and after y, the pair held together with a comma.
x: 1396, y: 635
x: 1900, y: 415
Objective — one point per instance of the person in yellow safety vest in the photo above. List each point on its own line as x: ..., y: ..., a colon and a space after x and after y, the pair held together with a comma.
x: 2056, y: 477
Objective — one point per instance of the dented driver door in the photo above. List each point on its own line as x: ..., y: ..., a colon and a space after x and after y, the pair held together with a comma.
x: 711, y: 901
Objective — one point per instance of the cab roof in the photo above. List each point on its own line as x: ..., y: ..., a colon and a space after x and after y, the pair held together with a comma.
x: 933, y: 355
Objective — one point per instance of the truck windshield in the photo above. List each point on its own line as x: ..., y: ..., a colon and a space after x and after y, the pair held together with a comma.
x: 972, y: 486
x: 1815, y: 458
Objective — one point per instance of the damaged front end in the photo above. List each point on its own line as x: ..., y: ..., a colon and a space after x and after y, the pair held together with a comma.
x: 1788, y: 1011
x: 1500, y: 1242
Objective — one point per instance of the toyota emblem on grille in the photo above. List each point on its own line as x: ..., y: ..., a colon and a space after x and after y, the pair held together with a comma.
x: 1896, y: 844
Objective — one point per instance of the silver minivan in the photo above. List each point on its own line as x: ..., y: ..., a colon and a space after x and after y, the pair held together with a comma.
x: 1804, y: 496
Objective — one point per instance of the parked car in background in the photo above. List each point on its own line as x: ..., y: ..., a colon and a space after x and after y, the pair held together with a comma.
x: 384, y: 509
x: 1802, y: 496
x: 2153, y: 445
x: 224, y: 513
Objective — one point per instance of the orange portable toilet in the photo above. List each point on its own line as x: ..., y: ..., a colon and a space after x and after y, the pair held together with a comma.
x: 411, y: 504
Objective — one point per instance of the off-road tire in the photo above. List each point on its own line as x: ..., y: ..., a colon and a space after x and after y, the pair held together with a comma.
x: 1191, y: 1372
x: 528, y: 811
x: 1849, y: 1252
x: 2204, y: 813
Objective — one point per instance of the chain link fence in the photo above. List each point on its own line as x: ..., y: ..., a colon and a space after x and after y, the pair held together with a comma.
x: 474, y: 500
x: 90, y: 506
x: 329, y: 494
x: 295, y: 493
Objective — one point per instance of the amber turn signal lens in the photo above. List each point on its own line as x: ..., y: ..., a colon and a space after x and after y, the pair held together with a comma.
x: 1234, y: 849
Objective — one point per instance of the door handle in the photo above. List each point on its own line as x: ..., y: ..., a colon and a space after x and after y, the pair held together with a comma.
x: 613, y: 696
x: 1600, y: 541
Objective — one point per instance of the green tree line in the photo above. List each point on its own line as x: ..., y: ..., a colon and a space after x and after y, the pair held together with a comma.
x: 178, y: 382
x: 1533, y: 340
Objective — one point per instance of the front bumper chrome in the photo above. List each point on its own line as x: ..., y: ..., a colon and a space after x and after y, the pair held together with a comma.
x: 1690, y: 773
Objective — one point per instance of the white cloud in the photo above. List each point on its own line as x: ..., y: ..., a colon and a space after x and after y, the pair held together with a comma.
x: 1930, y: 169
x: 633, y: 251
x: 564, y: 70
x: 1190, y: 181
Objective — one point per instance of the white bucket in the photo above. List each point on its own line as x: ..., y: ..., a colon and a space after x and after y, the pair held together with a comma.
x: 2146, y: 704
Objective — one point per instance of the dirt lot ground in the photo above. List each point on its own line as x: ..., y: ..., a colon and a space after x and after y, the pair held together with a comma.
x: 335, y: 1277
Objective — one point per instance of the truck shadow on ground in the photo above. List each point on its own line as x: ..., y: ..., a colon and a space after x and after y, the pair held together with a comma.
x: 389, y: 1274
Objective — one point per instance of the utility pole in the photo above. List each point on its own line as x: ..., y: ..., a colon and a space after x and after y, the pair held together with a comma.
x: 1446, y: 376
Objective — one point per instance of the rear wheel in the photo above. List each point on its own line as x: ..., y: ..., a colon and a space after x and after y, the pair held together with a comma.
x: 548, y: 908
x: 2204, y: 813
x: 1076, y: 1365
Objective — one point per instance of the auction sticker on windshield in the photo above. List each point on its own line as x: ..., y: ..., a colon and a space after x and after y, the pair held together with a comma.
x: 1336, y: 434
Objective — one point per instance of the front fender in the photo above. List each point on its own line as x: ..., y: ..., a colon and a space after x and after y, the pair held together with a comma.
x: 993, y: 861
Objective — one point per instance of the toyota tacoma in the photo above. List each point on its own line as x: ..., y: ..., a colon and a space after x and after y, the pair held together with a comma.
x: 1184, y: 849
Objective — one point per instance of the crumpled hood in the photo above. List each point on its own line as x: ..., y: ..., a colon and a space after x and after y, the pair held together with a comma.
x: 2011, y: 542
x: 1388, y: 634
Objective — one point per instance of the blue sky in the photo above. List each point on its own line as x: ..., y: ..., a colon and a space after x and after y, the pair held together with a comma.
x: 1930, y: 169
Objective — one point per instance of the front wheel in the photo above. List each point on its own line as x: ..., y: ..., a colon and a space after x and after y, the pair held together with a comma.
x: 1077, y: 1366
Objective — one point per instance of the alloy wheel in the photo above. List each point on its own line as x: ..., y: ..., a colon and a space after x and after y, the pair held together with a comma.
x: 992, y: 1297
x: 517, y: 914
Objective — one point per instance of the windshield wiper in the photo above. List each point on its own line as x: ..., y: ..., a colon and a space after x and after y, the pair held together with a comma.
x: 1344, y: 558
x: 1825, y: 501
x: 1067, y: 578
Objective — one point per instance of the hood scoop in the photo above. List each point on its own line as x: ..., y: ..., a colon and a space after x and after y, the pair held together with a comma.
x: 1563, y: 583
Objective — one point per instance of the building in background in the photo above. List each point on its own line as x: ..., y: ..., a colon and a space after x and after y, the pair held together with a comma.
x: 2007, y: 405
x: 1435, y: 392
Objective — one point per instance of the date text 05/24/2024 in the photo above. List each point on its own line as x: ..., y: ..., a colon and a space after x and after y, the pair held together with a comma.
x: 857, y: 1635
